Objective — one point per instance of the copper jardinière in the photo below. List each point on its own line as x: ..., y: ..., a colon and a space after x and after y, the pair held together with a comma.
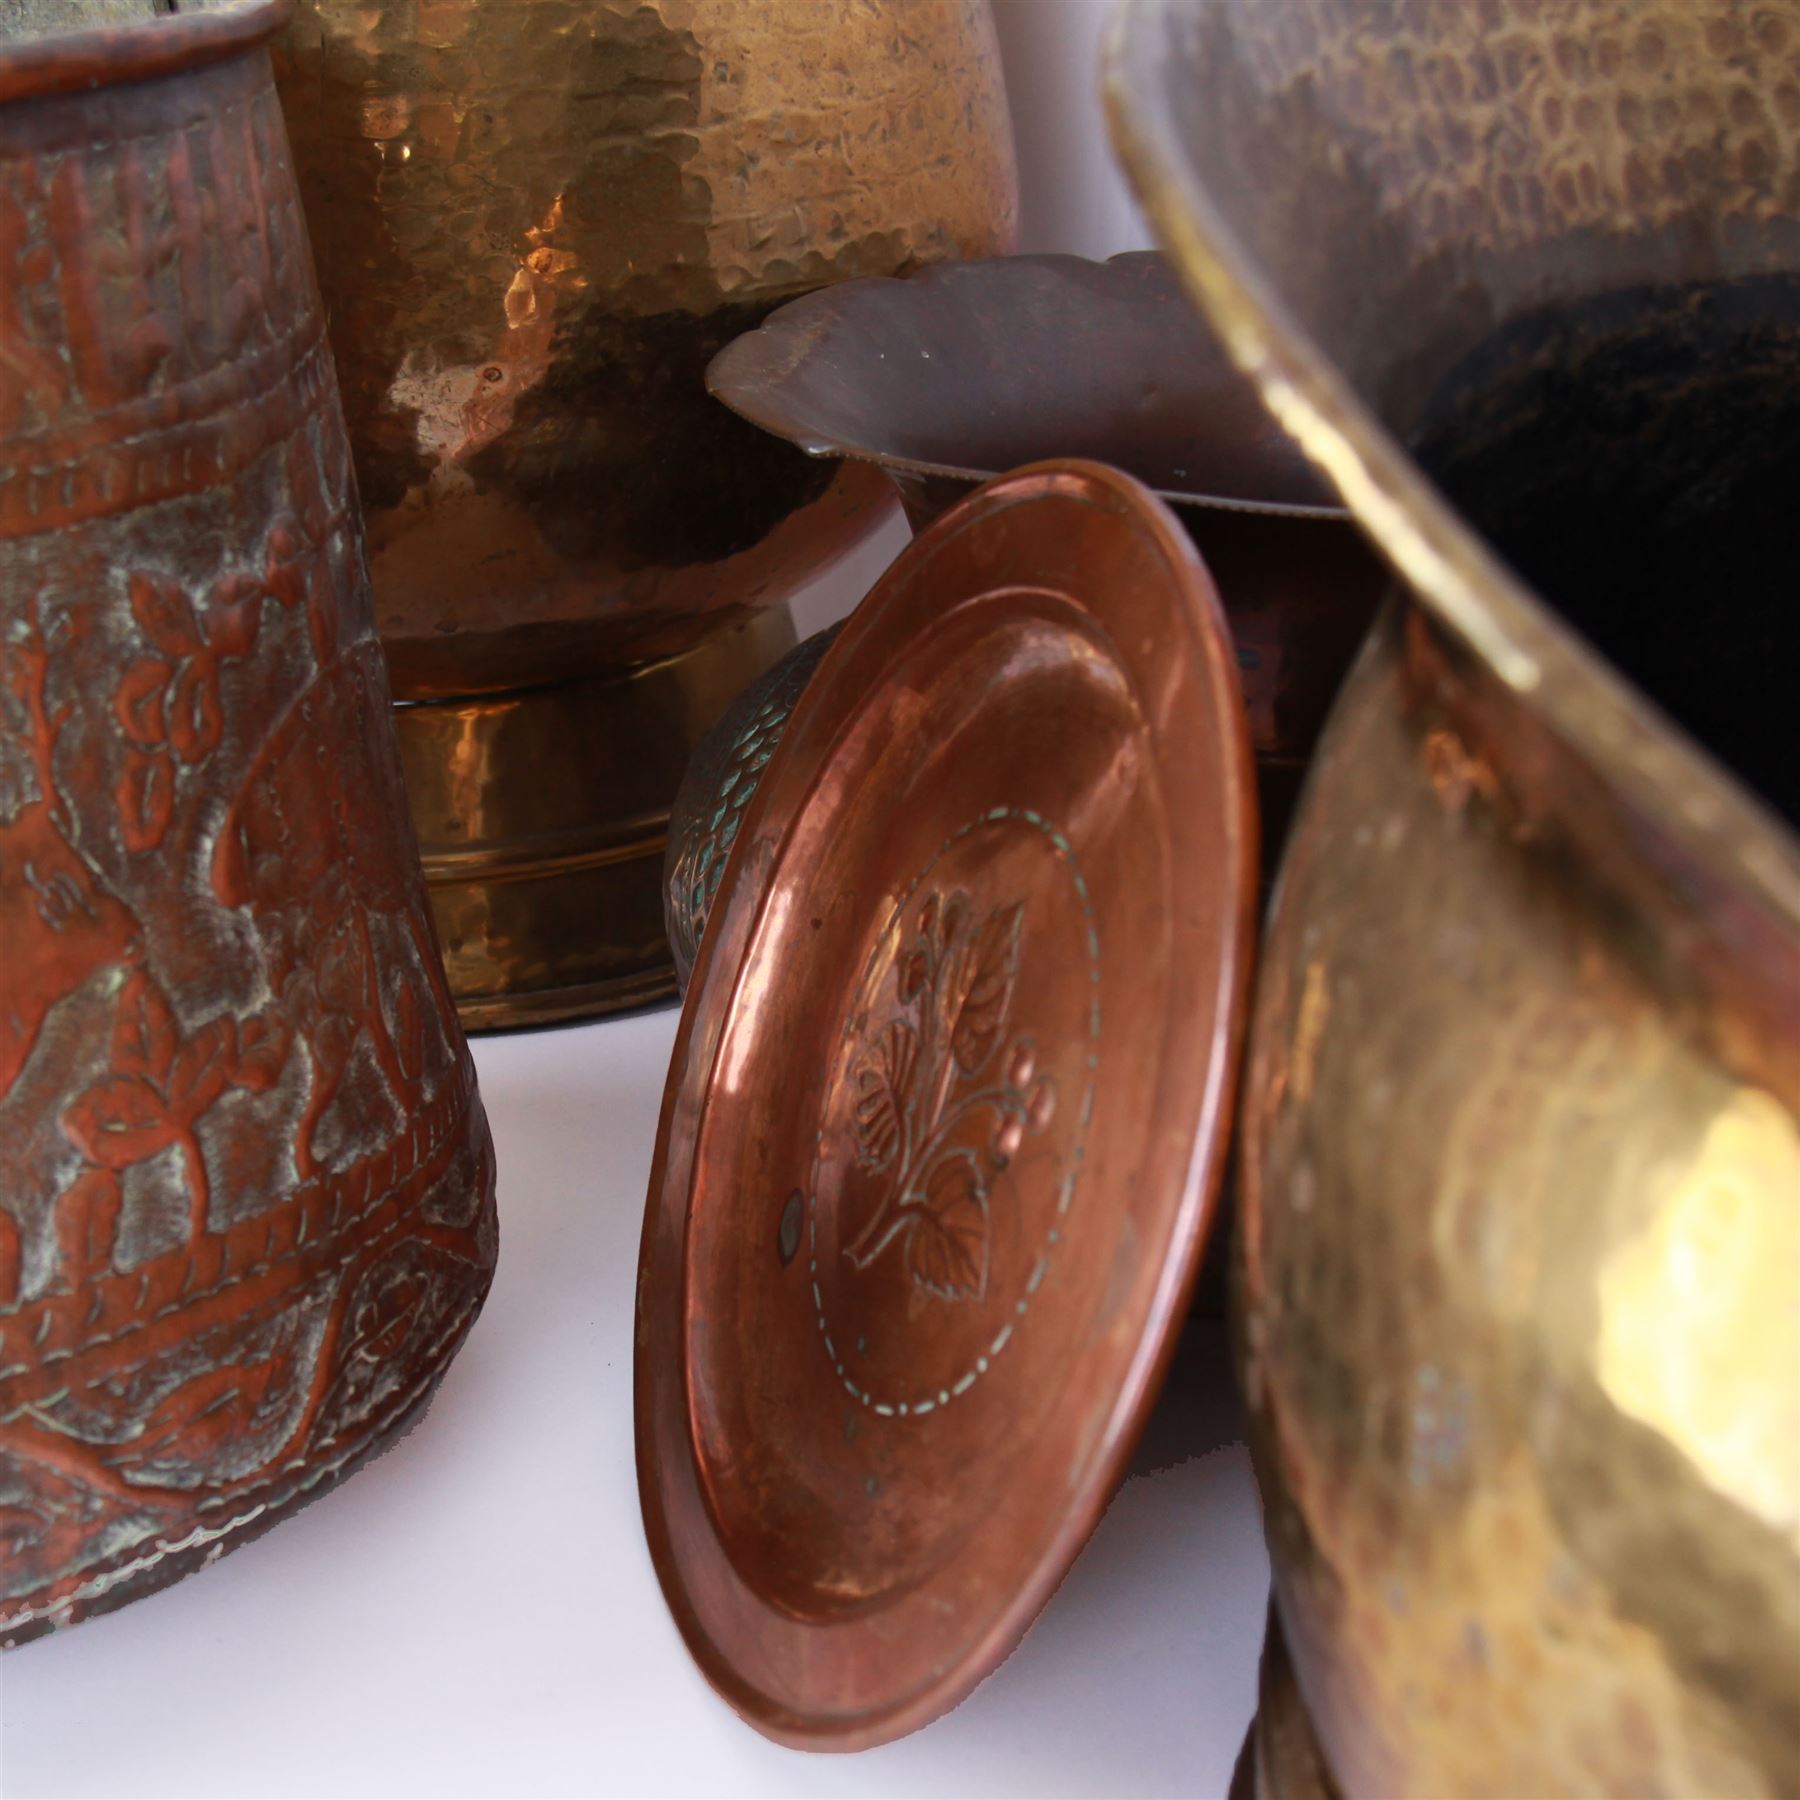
x: 534, y: 224
x: 246, y: 1187
x: 1521, y: 1139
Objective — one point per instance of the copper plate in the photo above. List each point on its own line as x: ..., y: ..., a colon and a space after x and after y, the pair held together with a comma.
x: 947, y: 1111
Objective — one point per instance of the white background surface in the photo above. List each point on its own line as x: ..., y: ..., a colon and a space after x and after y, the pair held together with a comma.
x: 475, y: 1613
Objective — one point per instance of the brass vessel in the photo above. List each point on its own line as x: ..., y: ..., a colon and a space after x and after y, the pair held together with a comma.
x: 534, y: 225
x: 1519, y: 1248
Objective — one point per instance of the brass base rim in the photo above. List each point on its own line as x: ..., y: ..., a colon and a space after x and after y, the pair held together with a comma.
x: 542, y: 817
x: 491, y: 1014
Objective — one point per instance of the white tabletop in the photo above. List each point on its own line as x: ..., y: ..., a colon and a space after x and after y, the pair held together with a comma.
x: 475, y: 1612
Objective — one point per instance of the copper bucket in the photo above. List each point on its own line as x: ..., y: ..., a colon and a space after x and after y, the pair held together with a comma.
x: 246, y: 1184
x: 1520, y: 1198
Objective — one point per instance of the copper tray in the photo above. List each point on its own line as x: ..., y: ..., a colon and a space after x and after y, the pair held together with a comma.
x: 947, y: 1112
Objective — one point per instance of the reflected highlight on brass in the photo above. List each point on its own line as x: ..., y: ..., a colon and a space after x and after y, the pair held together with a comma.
x: 1521, y: 1204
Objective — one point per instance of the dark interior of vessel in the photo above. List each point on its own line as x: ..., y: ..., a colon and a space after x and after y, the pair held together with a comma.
x: 1637, y: 460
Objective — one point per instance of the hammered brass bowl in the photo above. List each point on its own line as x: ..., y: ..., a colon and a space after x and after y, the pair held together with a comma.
x: 534, y: 222
x: 1519, y: 1251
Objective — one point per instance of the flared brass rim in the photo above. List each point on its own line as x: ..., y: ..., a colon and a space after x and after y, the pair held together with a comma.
x: 1598, y: 716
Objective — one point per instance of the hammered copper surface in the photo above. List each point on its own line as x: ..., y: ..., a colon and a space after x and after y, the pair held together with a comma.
x: 947, y: 1111
x: 962, y: 371
x: 535, y: 223
x: 246, y: 1185
x: 1521, y: 1185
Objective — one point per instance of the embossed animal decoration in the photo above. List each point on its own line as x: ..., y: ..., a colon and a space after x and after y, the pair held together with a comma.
x: 246, y: 1185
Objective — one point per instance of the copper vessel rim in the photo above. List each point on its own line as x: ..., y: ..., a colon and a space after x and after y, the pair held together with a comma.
x: 1452, y: 573
x: 81, y: 61
x: 1149, y: 1365
x: 790, y: 333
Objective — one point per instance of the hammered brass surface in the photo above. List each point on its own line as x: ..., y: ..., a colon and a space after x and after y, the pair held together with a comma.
x: 1519, y: 1260
x: 544, y: 810
x: 535, y: 222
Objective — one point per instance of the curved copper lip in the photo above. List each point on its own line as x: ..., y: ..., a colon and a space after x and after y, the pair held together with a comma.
x: 85, y: 60
x: 1660, y: 772
x: 691, y: 1067
x: 752, y: 368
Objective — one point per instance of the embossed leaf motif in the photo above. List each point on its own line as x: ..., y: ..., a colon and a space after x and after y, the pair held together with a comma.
x: 144, y: 1033
x: 119, y: 1121
x: 203, y: 1066
x: 990, y: 967
x: 201, y: 1416
x: 162, y: 1084
x: 918, y: 1102
x: 196, y: 719
x: 409, y: 1032
x: 884, y: 1078
x: 165, y: 614
x: 20, y: 1530
x: 139, y: 704
x: 344, y: 974
x: 386, y: 1320
x: 947, y: 1249
x: 87, y: 1222
x: 915, y: 971
x: 263, y: 1044
x: 233, y: 616
x: 146, y: 797
x: 284, y: 576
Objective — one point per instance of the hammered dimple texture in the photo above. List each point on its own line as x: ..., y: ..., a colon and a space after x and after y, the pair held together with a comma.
x: 536, y: 222
x: 1470, y: 159
x: 1517, y: 1309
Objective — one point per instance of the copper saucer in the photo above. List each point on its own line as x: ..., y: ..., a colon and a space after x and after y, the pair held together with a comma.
x: 947, y: 1112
